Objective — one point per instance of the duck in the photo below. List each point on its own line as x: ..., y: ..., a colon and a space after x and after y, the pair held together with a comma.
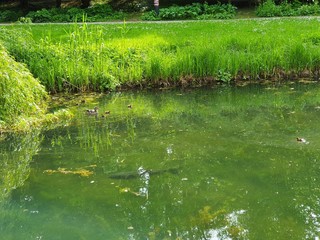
x: 302, y: 140
x: 93, y: 111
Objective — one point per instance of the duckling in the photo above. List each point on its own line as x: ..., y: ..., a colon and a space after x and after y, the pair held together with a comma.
x: 129, y: 106
x: 93, y: 111
x: 107, y: 112
x: 302, y: 140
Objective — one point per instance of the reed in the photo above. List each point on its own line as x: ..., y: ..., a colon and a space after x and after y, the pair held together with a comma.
x: 83, y: 57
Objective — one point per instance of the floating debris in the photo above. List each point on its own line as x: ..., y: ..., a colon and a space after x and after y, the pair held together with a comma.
x: 81, y: 172
x: 128, y: 190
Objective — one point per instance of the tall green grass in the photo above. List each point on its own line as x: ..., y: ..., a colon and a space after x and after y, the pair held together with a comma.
x: 82, y: 57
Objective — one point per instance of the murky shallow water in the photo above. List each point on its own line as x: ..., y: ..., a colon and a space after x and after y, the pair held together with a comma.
x: 226, y: 165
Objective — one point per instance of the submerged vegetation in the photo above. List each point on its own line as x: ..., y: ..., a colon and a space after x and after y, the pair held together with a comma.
x: 83, y: 57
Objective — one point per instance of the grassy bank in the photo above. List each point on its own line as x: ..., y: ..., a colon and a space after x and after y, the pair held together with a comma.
x: 21, y: 94
x: 23, y: 99
x: 81, y: 57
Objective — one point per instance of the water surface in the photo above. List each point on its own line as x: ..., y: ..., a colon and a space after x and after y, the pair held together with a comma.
x: 229, y: 165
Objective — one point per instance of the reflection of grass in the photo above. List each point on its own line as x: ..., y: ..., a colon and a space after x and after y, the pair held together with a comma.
x: 227, y: 163
x: 98, y: 57
x: 15, y: 161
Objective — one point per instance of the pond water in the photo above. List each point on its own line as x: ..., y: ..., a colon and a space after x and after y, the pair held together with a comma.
x: 218, y: 163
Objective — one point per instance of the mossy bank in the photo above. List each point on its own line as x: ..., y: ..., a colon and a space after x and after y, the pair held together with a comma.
x: 23, y: 99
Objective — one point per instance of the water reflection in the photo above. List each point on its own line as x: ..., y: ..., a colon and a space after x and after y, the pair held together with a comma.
x: 227, y: 161
x: 16, y: 153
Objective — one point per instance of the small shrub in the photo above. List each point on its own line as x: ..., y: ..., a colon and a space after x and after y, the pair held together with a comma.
x: 61, y: 18
x: 224, y: 76
x: 99, y: 9
x: 95, y: 13
x: 307, y: 10
x: 286, y: 9
x: 10, y: 15
x: 219, y: 8
x: 268, y: 9
x: 39, y: 16
x: 150, y: 16
x: 24, y: 20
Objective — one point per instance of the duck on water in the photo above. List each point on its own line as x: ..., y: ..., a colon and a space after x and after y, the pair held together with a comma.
x: 93, y: 111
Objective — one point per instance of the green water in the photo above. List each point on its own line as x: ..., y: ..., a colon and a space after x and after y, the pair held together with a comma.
x: 239, y: 172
